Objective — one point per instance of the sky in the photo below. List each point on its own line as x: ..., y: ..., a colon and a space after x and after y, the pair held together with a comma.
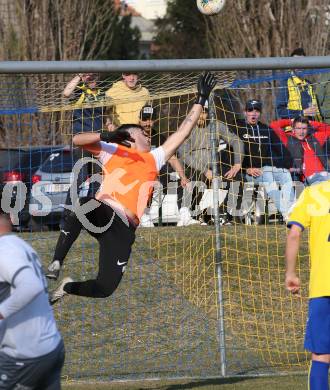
x: 150, y: 9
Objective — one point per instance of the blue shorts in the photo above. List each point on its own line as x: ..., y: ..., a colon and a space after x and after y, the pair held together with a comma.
x: 317, y: 338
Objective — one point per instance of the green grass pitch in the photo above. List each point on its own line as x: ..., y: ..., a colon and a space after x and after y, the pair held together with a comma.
x: 162, y: 322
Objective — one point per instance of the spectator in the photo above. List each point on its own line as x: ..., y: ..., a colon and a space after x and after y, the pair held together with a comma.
x: 147, y: 120
x: 307, y: 144
x: 196, y: 153
x: 128, y: 97
x: 31, y: 347
x: 323, y: 96
x: 266, y: 159
x: 296, y: 95
x: 83, y: 90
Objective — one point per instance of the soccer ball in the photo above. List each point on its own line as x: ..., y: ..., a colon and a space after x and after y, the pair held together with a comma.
x: 210, y: 7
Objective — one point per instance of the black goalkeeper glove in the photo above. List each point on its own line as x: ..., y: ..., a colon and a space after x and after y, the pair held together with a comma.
x: 206, y: 83
x: 118, y: 136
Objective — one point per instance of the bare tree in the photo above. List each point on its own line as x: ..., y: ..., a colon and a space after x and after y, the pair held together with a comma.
x: 268, y: 28
x: 56, y: 29
x: 48, y: 30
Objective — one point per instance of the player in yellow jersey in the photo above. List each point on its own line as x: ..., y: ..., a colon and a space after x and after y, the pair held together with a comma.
x: 313, y: 211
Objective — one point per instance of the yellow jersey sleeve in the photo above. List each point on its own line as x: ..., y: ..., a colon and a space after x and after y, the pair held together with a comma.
x: 300, y: 215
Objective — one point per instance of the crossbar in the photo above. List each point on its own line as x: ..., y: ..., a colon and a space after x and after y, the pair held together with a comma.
x: 182, y: 65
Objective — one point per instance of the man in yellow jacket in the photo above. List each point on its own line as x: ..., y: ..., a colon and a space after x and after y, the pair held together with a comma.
x: 296, y: 96
x: 127, y: 97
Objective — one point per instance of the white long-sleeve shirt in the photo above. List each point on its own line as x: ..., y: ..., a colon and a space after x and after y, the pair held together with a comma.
x: 28, y: 329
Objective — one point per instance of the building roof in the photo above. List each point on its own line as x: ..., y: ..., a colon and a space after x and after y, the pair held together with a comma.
x: 146, y: 27
x: 149, y: 9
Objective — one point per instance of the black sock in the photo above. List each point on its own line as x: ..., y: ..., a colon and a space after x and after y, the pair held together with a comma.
x: 68, y: 235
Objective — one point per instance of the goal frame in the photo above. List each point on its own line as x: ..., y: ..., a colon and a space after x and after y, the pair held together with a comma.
x: 177, y: 65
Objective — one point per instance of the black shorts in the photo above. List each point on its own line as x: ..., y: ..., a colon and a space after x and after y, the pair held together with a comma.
x: 41, y: 373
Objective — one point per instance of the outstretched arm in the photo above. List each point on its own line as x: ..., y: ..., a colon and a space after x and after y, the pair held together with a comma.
x: 176, y: 139
x: 84, y: 139
x: 91, y: 141
x: 88, y: 141
x: 206, y: 83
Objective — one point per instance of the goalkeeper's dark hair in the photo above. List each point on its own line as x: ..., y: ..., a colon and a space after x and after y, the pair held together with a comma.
x: 129, y: 126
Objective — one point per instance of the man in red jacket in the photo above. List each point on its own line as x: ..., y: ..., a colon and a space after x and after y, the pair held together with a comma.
x: 308, y: 144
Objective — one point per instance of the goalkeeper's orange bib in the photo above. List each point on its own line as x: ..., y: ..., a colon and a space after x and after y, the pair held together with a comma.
x: 128, y: 178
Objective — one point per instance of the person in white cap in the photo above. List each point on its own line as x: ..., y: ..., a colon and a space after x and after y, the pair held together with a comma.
x: 148, y: 117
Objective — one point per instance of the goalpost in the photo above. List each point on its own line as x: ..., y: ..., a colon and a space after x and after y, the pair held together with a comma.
x: 195, y: 301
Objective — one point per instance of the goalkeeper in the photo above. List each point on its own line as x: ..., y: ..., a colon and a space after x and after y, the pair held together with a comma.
x: 313, y: 210
x: 129, y: 172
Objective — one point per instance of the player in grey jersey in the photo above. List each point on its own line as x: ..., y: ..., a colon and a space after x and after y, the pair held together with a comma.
x: 31, y: 347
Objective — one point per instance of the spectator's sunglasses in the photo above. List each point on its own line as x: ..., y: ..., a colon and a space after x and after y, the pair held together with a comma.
x: 252, y: 109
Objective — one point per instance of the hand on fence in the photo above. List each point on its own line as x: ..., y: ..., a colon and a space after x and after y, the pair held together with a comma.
x: 206, y: 83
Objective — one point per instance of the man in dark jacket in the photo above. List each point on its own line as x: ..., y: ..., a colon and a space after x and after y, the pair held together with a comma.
x: 266, y: 159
